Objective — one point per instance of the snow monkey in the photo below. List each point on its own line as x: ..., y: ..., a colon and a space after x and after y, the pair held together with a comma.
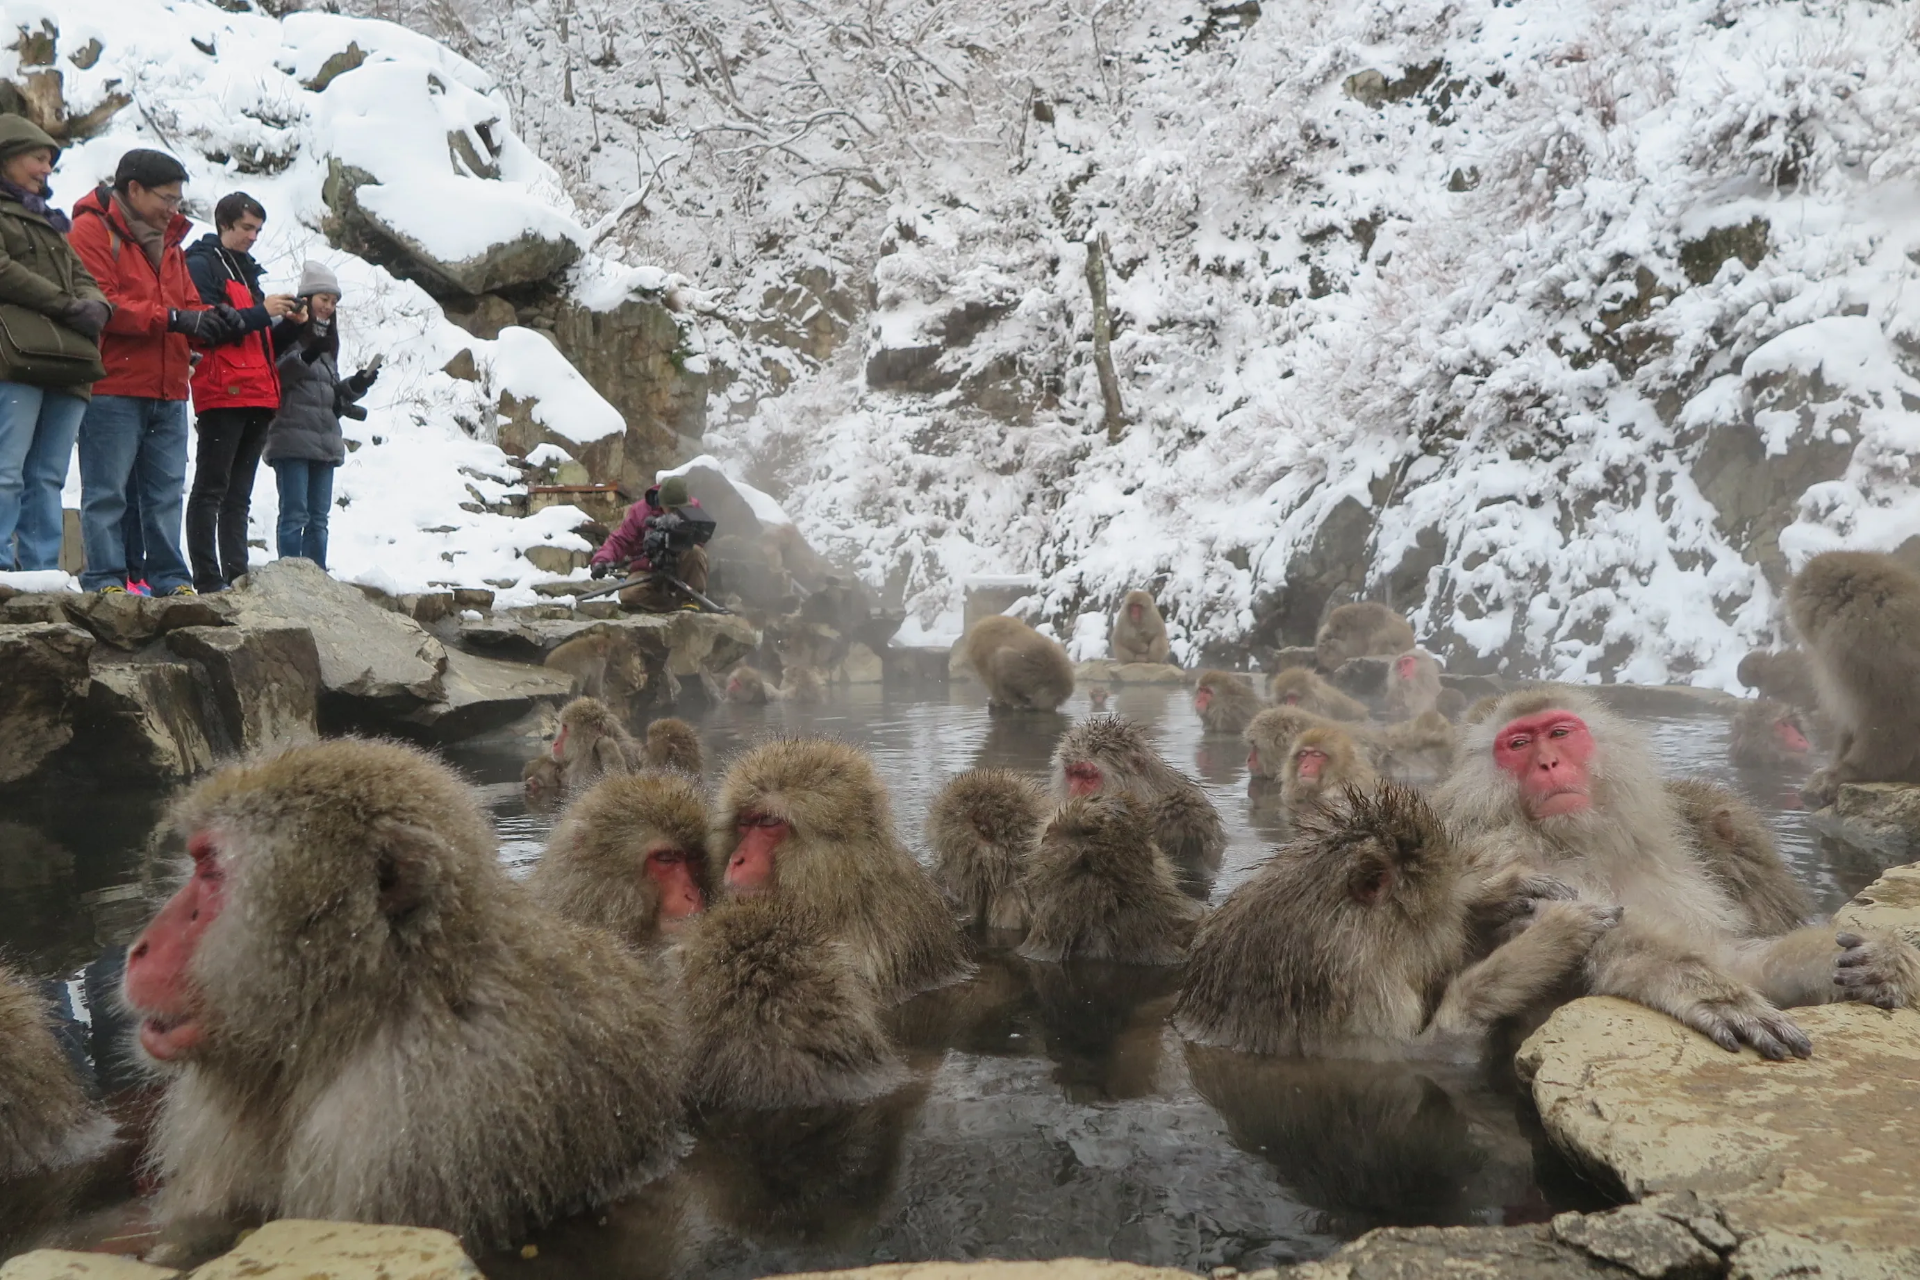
x: 747, y: 686
x: 779, y: 1014
x: 1101, y: 889
x: 1269, y: 737
x: 803, y: 686
x: 1740, y: 855
x: 805, y: 821
x: 542, y: 783
x: 1341, y: 944
x: 674, y: 744
x: 982, y: 828
x: 1766, y: 733
x: 630, y: 857
x: 361, y: 1017
x: 1322, y: 764
x: 1108, y: 754
x: 1785, y: 676
x: 45, y: 1120
x: 1139, y: 633
x: 1225, y: 702
x: 1021, y: 668
x: 1858, y: 614
x: 591, y: 744
x: 1097, y: 697
x: 1553, y: 782
x: 1359, y: 630
x: 1299, y: 687
x: 1418, y: 750
x: 604, y: 662
x: 1413, y: 685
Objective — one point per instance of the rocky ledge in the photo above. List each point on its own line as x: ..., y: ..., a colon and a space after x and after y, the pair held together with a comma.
x: 121, y: 688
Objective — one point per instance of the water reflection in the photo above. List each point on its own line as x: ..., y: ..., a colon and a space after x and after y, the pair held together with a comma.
x: 1051, y: 1111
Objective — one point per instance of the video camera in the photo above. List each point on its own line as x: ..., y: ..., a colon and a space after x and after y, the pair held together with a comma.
x: 669, y: 535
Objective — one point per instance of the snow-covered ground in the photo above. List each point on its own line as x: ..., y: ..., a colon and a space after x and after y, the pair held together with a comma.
x: 1425, y: 256
x: 225, y: 92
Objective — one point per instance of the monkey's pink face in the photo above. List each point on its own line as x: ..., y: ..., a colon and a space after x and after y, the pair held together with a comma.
x: 1133, y: 613
x: 1253, y: 759
x: 1202, y: 699
x: 750, y: 870
x: 1791, y: 740
x: 560, y: 744
x: 1404, y: 668
x: 1291, y: 700
x: 1083, y: 778
x: 671, y: 871
x: 1548, y: 755
x: 158, y: 985
x: 1099, y: 699
x: 1309, y: 763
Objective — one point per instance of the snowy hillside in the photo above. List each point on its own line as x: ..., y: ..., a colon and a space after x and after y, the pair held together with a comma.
x: 267, y: 106
x: 1569, y: 327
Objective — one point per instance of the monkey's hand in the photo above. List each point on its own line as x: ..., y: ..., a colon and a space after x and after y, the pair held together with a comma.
x: 1883, y: 971
x: 1736, y: 1015
x: 1513, y: 895
x: 1821, y: 789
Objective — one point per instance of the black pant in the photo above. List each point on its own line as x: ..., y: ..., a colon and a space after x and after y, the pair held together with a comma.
x: 223, y: 469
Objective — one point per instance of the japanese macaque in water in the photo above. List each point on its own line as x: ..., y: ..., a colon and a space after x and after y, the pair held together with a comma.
x: 1356, y: 939
x: 1139, y: 633
x: 1360, y: 630
x: 747, y: 687
x: 674, y: 744
x: 806, y: 821
x: 1022, y: 669
x: 1107, y: 754
x: 592, y: 744
x: 1225, y: 702
x: 1099, y: 888
x: 1322, y: 765
x: 1858, y: 613
x: 1413, y: 685
x: 982, y: 828
x: 1552, y: 782
x: 361, y: 1017
x: 630, y: 857
x: 1768, y: 734
x: 45, y: 1119
x: 1299, y: 687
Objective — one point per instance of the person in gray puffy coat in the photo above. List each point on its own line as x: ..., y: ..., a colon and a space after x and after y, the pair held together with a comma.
x: 304, y: 443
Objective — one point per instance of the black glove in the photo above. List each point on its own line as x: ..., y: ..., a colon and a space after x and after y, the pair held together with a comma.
x: 235, y: 323
x: 348, y: 409
x: 86, y: 316
x: 360, y: 382
x: 601, y: 568
x: 206, y: 327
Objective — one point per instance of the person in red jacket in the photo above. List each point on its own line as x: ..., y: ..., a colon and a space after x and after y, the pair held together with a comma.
x: 135, y: 427
x: 235, y: 390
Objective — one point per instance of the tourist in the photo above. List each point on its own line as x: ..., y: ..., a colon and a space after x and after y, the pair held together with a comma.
x: 235, y: 390
x: 135, y: 428
x: 305, y: 443
x: 51, y: 314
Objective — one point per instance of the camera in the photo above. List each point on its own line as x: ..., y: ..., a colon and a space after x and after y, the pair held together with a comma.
x: 673, y: 533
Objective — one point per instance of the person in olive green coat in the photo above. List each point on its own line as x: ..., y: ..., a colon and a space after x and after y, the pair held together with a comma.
x: 51, y: 315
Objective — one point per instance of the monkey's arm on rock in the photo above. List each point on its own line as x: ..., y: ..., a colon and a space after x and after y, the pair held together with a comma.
x: 1518, y: 974
x: 1654, y: 966
x: 1818, y: 965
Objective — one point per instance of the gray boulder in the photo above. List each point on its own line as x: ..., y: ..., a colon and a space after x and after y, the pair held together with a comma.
x: 264, y: 681
x: 43, y: 678
x: 368, y: 655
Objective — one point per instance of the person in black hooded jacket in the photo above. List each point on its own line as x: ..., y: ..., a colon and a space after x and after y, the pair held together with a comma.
x: 305, y: 444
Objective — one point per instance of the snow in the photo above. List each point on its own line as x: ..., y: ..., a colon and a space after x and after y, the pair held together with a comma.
x: 39, y: 580
x: 527, y: 365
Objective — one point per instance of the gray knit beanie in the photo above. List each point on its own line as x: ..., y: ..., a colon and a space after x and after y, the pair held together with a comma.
x: 316, y: 278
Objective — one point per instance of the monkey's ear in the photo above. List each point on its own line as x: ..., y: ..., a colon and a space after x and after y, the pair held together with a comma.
x: 407, y: 868
x: 1370, y: 879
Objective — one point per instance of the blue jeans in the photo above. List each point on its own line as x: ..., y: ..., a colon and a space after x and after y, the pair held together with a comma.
x: 133, y: 438
x: 306, y: 496
x: 37, y: 427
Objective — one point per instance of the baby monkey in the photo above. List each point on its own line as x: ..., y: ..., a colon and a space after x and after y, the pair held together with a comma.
x: 982, y: 827
x: 1099, y: 888
x: 1356, y: 940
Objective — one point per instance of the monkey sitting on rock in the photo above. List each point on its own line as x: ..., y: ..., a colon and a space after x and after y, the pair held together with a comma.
x: 1099, y: 888
x: 1299, y: 687
x: 1360, y: 630
x: 1139, y: 633
x: 1356, y: 939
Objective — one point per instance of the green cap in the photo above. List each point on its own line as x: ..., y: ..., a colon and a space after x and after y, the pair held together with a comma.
x: 674, y: 492
x: 17, y: 134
